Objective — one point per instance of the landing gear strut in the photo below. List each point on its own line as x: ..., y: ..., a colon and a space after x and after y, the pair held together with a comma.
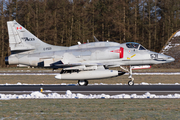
x: 82, y: 82
x: 131, y: 81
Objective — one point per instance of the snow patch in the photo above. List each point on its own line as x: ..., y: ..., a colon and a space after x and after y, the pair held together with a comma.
x: 68, y: 92
x: 177, y: 34
x: 70, y: 95
x: 144, y: 83
x: 169, y: 46
x: 19, y: 83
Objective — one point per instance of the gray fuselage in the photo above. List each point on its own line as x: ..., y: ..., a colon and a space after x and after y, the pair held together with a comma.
x: 103, y: 53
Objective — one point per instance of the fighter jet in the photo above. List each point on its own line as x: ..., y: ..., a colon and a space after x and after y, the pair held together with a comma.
x: 80, y: 62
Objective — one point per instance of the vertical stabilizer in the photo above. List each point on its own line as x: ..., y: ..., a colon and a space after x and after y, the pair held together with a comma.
x: 15, y: 32
x: 21, y: 40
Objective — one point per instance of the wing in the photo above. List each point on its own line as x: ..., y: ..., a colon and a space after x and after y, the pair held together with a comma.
x: 79, y: 66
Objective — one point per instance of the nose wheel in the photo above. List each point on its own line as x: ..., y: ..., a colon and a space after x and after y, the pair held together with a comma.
x: 131, y: 82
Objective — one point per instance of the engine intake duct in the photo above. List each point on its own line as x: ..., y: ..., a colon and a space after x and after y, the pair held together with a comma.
x: 121, y: 73
x: 7, y: 60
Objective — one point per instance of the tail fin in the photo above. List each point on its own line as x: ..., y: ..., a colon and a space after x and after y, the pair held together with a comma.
x: 21, y: 40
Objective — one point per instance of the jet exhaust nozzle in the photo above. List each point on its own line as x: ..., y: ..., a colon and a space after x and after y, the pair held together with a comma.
x: 7, y: 60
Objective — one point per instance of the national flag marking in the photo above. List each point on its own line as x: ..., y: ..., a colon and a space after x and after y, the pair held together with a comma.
x: 19, y: 28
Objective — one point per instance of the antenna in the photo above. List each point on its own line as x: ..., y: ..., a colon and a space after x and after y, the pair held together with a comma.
x: 96, y: 40
x: 79, y: 43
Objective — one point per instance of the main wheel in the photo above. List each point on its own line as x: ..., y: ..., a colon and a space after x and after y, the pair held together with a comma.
x: 82, y: 82
x: 131, y: 83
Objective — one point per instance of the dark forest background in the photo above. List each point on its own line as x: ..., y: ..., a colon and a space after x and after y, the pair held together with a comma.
x: 65, y: 22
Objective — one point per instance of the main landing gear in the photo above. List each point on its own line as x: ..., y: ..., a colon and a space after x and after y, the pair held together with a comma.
x: 131, y: 81
x: 82, y: 82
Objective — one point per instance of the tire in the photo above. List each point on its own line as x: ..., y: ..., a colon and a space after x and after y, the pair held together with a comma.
x: 131, y: 83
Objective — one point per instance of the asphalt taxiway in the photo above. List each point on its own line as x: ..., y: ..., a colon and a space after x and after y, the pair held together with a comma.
x: 93, y: 89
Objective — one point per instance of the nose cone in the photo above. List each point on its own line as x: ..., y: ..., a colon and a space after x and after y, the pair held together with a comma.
x: 160, y: 58
x: 170, y: 59
x: 167, y: 58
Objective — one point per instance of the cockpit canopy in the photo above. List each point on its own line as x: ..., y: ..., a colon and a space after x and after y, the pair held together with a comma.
x: 135, y: 45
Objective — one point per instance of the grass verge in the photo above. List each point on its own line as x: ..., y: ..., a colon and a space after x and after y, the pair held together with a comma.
x: 91, y: 109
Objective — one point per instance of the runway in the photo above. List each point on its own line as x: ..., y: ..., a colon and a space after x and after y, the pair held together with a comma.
x: 93, y: 89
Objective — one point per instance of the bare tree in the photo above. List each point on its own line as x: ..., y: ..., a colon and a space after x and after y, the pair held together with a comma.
x: 149, y: 14
x: 2, y: 32
x: 37, y: 17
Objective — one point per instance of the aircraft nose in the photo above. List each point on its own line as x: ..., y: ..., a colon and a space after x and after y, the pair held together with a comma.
x: 166, y: 58
x: 170, y: 59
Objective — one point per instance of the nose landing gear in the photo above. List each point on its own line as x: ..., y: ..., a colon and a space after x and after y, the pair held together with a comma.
x: 131, y: 81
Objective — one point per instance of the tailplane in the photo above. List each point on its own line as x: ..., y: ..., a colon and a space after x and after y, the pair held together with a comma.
x: 21, y: 40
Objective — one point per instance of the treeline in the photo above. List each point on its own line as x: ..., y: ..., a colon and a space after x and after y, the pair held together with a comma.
x: 65, y: 22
